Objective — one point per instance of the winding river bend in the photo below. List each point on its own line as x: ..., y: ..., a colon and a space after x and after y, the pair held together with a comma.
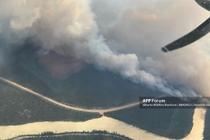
x: 102, y: 124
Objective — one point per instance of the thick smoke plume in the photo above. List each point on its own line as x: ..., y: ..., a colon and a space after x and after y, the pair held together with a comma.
x: 123, y: 36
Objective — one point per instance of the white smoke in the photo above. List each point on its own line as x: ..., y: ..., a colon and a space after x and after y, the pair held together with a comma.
x: 109, y: 41
x: 145, y: 26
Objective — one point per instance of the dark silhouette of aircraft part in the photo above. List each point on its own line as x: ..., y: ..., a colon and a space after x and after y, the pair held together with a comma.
x: 193, y: 36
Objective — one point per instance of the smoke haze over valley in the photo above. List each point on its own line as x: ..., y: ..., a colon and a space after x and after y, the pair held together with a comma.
x: 125, y: 40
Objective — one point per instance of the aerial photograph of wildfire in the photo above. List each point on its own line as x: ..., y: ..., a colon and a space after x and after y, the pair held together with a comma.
x: 104, y: 70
